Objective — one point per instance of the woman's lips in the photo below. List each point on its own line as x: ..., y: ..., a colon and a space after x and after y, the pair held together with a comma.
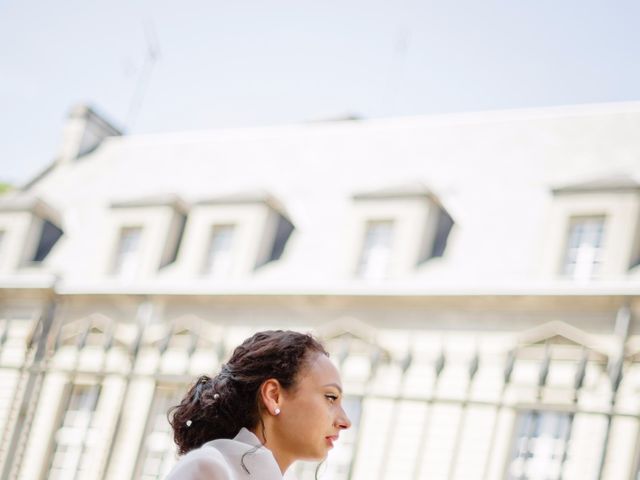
x: 331, y: 439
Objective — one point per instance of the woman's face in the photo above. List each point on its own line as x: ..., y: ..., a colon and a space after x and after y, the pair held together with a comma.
x: 311, y: 414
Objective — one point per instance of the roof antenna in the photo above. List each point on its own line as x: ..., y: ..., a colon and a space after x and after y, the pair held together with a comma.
x: 152, y: 55
x: 401, y: 41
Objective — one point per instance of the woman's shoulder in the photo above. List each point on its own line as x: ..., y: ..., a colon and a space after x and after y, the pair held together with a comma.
x: 228, y: 459
x: 204, y: 463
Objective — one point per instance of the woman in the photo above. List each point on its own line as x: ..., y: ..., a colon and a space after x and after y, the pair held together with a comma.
x: 277, y: 400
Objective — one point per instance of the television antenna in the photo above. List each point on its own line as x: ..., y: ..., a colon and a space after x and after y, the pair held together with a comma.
x: 152, y: 55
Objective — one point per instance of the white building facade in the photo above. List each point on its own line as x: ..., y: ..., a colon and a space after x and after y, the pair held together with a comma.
x: 474, y: 276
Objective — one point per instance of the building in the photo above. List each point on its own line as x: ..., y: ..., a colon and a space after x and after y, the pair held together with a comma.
x: 475, y: 277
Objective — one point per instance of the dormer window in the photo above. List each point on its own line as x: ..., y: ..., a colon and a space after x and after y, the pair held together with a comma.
x: 219, y: 256
x: 376, y: 250
x: 233, y: 236
x: 127, y: 259
x: 146, y: 234
x: 584, y: 252
x: 394, y: 231
x: 592, y: 230
x: 29, y: 231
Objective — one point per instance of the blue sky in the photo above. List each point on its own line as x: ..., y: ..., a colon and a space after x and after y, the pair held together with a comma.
x: 252, y: 62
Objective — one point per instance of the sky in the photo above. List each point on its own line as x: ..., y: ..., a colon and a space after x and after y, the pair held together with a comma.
x: 160, y: 66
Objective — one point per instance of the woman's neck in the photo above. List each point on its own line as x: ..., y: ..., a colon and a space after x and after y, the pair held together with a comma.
x: 283, y: 461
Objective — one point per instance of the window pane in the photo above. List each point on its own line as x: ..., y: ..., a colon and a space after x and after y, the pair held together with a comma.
x: 376, y: 250
x: 583, y: 255
x: 158, y: 453
x: 218, y: 260
x: 76, y: 435
x: 541, y: 442
x: 127, y: 254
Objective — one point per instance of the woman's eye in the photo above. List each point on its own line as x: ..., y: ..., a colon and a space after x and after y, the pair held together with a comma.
x: 332, y: 398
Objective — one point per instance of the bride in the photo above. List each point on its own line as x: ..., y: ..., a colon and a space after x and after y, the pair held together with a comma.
x: 277, y: 400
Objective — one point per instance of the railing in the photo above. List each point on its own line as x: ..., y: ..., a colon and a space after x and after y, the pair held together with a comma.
x: 452, y: 413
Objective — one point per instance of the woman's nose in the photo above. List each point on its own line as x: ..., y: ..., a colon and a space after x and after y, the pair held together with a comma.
x: 343, y: 421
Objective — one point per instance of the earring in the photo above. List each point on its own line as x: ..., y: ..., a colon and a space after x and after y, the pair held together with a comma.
x: 277, y: 411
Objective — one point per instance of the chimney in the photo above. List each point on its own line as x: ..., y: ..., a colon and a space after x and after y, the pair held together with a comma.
x: 82, y: 133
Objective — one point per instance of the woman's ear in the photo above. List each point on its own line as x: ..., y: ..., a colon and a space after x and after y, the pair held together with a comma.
x: 271, y: 395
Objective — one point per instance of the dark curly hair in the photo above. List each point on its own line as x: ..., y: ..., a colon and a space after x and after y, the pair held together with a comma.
x: 219, y: 407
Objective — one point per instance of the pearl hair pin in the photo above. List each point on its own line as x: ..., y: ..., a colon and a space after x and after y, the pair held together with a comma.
x: 189, y: 422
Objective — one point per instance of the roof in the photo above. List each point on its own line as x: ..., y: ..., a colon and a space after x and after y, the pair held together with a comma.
x: 165, y: 200
x: 492, y: 172
x: 21, y: 202
x: 248, y: 197
x: 609, y: 183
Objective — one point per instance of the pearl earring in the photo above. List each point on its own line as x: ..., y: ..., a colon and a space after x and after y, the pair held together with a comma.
x: 277, y: 411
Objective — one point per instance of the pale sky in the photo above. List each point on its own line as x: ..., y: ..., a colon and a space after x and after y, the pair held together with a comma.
x: 260, y: 62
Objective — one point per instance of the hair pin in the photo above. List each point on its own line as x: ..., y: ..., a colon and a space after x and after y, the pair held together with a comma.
x: 189, y: 422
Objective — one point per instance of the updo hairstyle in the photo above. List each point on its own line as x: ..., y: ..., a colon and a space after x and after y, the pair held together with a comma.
x: 219, y: 407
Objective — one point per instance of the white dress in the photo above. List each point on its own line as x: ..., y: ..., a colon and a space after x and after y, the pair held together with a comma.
x: 222, y: 460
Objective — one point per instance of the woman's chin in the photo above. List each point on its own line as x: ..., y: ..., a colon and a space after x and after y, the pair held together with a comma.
x: 316, y: 456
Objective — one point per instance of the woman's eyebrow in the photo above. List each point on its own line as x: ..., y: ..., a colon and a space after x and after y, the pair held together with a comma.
x: 334, y: 385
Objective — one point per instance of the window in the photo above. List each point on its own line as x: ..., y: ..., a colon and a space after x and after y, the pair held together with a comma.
x: 583, y: 256
x: 74, y: 439
x: 376, y: 250
x: 218, y: 260
x: 127, y: 255
x: 158, y: 454
x: 541, y: 444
